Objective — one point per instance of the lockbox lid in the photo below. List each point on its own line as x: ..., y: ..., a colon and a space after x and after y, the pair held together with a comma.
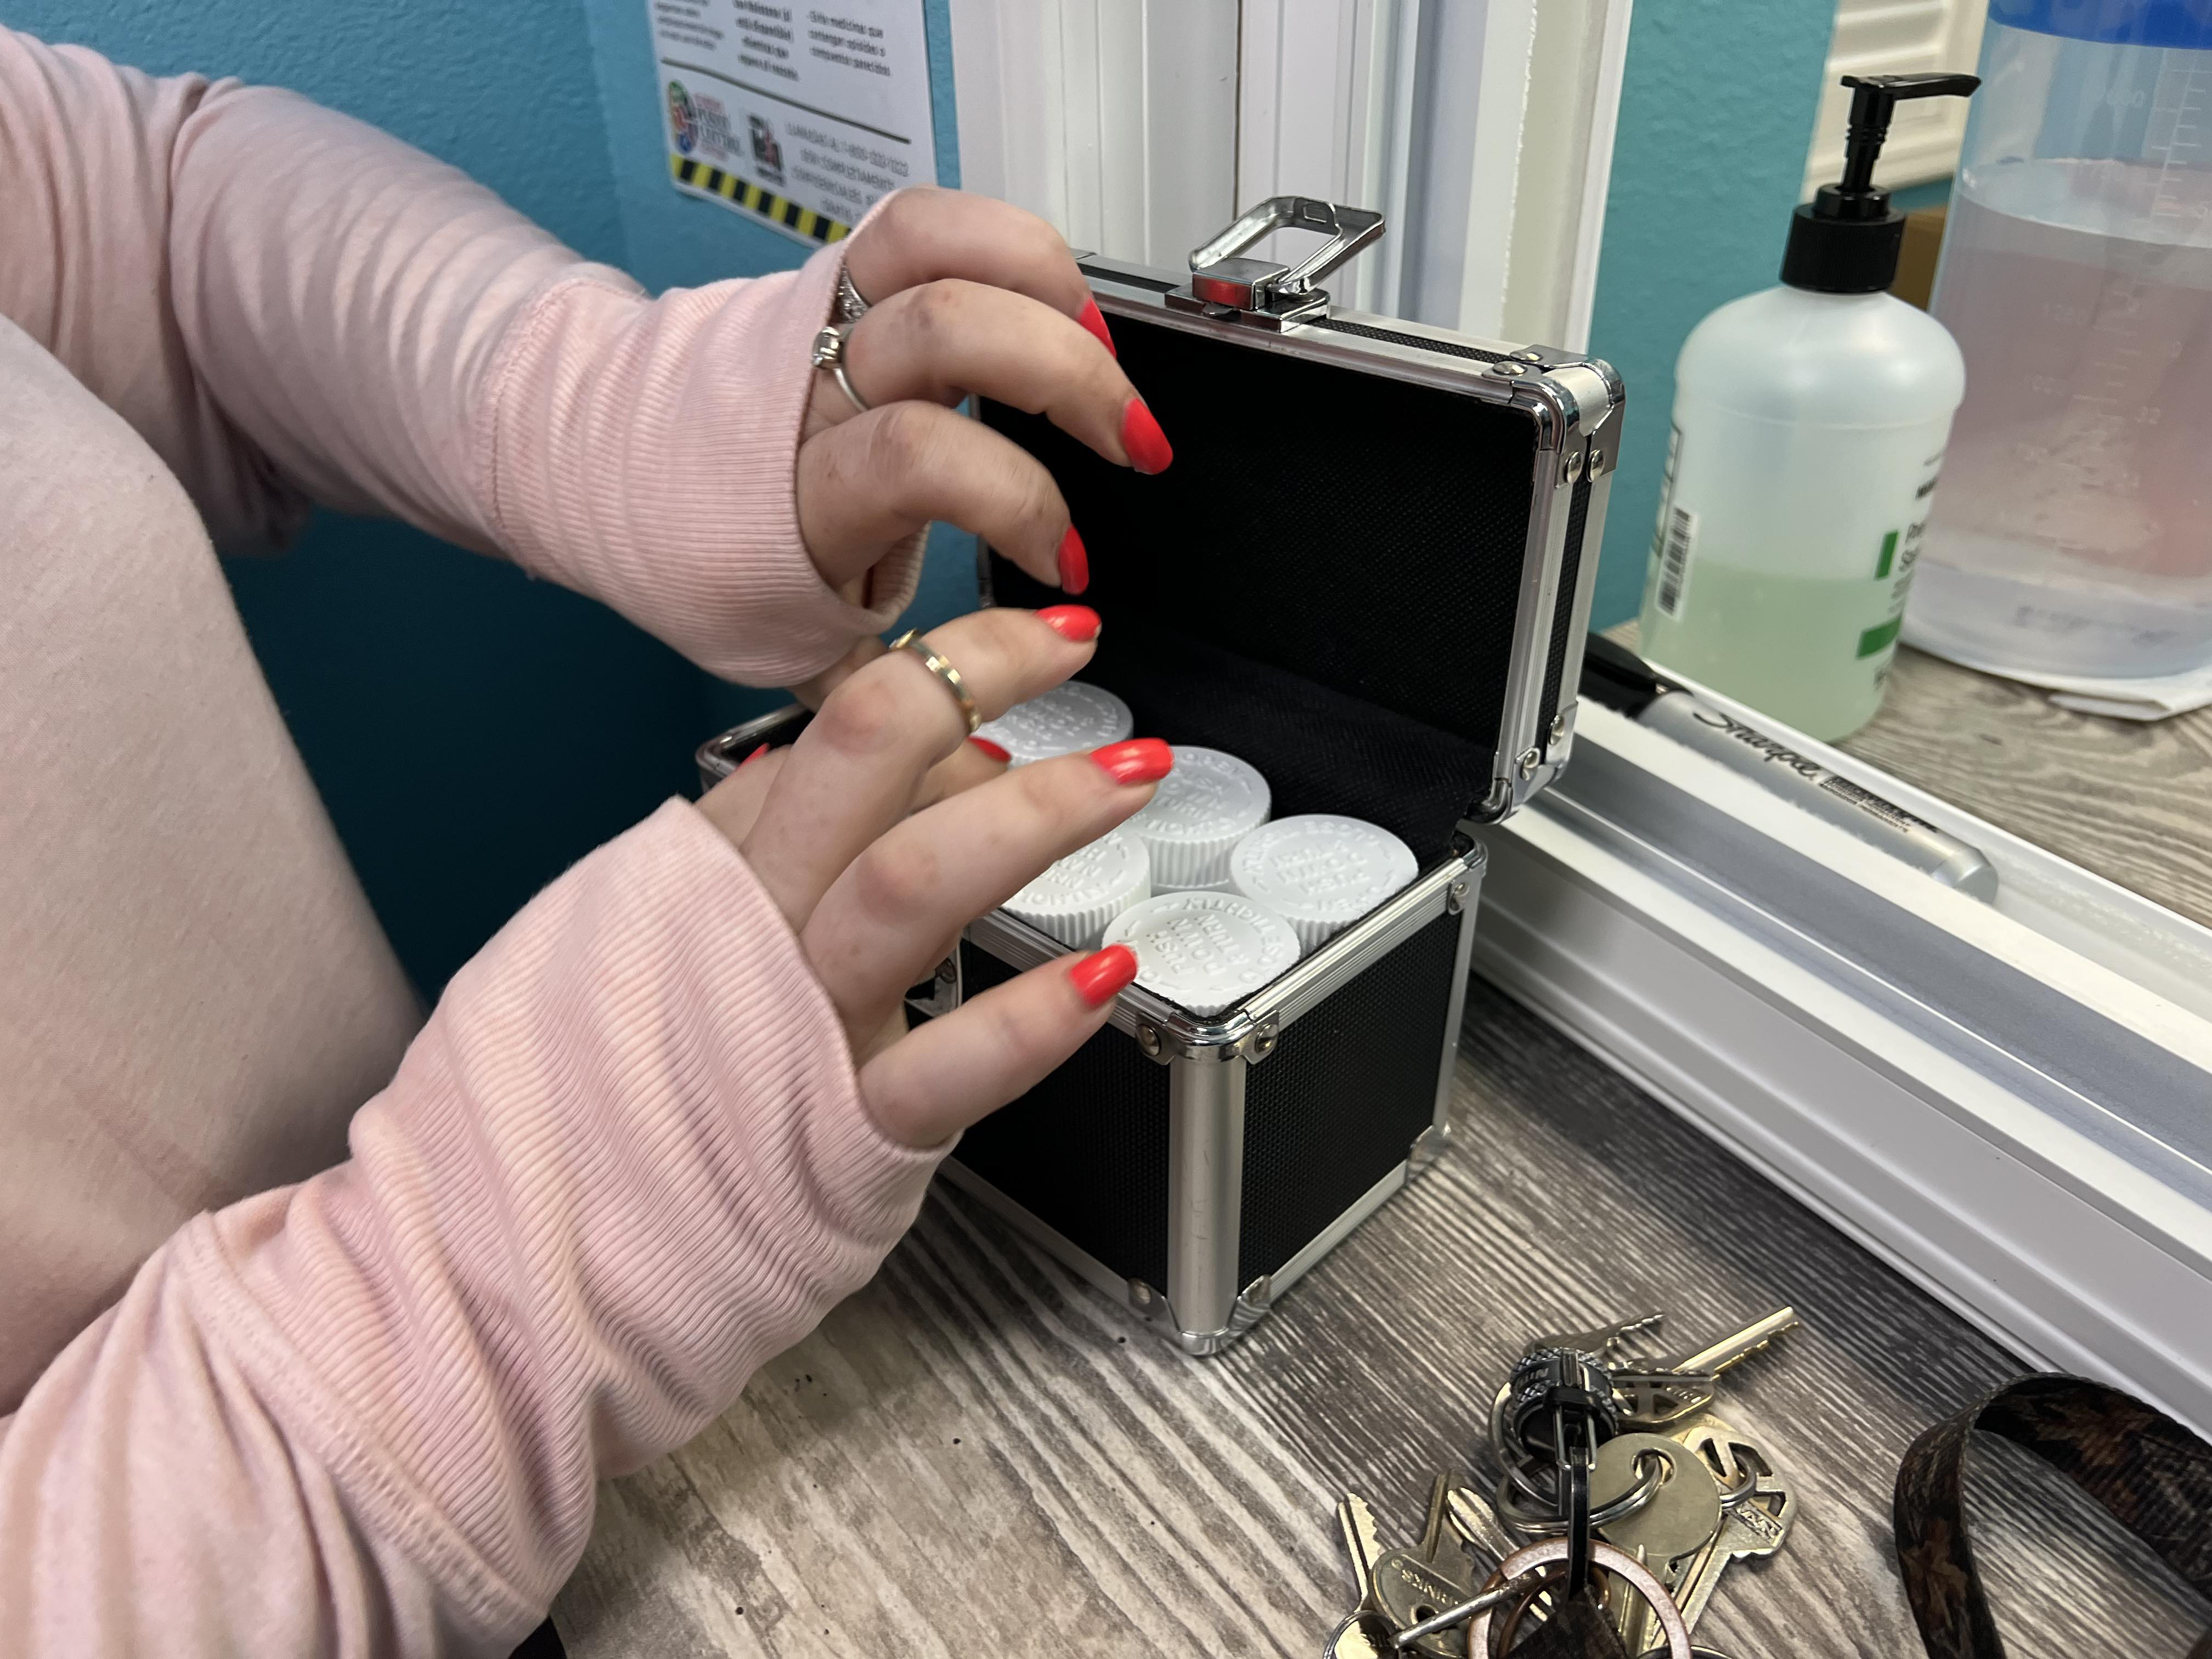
x: 1365, y: 570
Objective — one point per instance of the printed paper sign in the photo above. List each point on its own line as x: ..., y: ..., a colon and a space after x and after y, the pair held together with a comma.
x: 800, y: 115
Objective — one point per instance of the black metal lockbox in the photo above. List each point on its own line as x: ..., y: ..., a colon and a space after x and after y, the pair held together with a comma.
x: 1368, y: 573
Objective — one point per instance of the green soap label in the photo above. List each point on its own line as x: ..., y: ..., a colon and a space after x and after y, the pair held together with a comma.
x: 1888, y: 558
x: 1878, y: 639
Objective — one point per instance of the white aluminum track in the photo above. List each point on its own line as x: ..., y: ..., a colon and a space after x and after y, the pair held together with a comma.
x: 2021, y: 1125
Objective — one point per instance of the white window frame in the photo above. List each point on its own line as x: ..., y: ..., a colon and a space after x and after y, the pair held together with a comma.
x: 1113, y: 120
x: 1139, y: 127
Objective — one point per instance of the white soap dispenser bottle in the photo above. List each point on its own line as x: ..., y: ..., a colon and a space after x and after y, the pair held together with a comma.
x: 1808, y: 429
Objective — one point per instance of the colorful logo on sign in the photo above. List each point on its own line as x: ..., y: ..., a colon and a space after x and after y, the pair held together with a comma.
x: 768, y: 154
x: 682, y: 120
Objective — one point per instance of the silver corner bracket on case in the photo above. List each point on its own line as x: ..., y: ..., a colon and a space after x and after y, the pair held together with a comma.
x: 1428, y: 1146
x: 1264, y: 295
x: 1250, y: 1307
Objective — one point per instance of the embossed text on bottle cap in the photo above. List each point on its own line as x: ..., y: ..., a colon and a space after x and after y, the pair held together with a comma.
x: 1066, y: 721
x: 1205, y: 950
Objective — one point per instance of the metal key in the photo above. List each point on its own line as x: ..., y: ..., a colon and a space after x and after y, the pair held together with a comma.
x: 1756, y: 1523
x: 1361, y: 1543
x: 1367, y: 1634
x: 1477, y: 1524
x: 1717, y: 1357
x: 1652, y: 1396
x: 1602, y: 1344
x: 1411, y: 1586
x: 1671, y: 1531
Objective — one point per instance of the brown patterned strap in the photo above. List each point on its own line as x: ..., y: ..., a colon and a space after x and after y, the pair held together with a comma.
x: 1579, y: 1631
x: 2153, y: 1476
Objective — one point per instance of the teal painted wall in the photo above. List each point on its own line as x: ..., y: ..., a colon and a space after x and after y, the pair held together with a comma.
x: 474, y: 732
x: 1716, y: 112
x: 678, y: 241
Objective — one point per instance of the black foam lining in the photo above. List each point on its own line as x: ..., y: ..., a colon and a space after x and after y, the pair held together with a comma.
x: 1319, y: 750
x: 1363, y: 533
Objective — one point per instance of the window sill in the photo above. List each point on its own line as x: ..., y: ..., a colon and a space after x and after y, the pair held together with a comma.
x: 1994, y: 1098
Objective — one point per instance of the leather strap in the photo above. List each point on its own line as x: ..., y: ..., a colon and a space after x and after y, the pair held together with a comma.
x: 2151, y: 1474
x: 1578, y: 1630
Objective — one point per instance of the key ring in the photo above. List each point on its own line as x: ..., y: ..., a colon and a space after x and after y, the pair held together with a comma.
x: 1468, y: 1609
x: 1519, y: 1521
x: 1518, y: 1479
x: 1616, y: 1562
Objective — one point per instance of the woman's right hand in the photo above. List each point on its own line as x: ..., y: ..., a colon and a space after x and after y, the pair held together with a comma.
x: 968, y: 296
x: 876, y: 870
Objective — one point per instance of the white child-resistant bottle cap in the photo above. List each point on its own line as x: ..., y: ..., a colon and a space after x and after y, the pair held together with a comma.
x: 1320, y: 872
x: 1202, y: 809
x: 1066, y: 721
x: 1204, y: 951
x: 1076, y: 898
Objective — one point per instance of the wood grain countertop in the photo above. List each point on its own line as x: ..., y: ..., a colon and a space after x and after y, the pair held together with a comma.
x: 2129, y: 799
x: 979, y: 1454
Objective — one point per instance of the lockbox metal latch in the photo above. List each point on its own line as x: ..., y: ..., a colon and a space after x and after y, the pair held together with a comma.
x: 1264, y: 295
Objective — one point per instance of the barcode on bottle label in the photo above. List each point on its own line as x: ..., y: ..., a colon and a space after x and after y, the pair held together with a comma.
x: 1678, y: 541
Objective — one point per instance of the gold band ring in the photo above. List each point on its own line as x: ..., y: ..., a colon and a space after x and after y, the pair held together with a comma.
x: 943, y: 668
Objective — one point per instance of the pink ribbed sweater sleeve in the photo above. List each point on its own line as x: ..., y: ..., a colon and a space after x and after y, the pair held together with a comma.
x: 625, y: 1164
x: 291, y: 306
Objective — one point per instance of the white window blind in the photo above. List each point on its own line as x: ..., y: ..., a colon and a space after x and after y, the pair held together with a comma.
x: 1898, y: 37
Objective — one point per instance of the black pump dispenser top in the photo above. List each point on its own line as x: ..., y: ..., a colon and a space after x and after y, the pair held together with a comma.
x: 1845, y: 239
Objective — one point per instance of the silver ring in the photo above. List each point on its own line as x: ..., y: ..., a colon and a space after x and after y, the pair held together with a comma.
x: 851, y: 307
x: 830, y: 352
x: 1517, y: 1520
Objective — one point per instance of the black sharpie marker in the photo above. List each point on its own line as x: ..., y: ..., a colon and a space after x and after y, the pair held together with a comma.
x: 1621, y: 680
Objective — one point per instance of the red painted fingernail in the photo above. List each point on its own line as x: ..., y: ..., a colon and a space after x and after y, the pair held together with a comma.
x: 1147, y: 446
x: 992, y: 749
x: 1102, y: 973
x: 1074, y: 562
x: 1078, y: 622
x: 751, y: 759
x: 1140, y: 760
x: 1095, y: 320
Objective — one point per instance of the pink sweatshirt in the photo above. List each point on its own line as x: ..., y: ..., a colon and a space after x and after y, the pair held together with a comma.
x: 626, y: 1161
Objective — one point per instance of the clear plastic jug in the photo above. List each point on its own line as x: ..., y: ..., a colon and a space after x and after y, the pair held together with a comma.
x: 2073, y: 531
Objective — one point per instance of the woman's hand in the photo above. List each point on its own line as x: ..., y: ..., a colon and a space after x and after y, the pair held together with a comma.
x: 966, y: 295
x: 876, y: 868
